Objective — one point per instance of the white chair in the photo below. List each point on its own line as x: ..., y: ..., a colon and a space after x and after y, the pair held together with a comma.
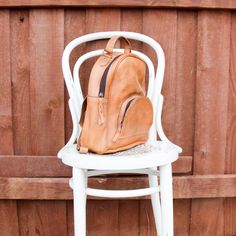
x: 154, y: 158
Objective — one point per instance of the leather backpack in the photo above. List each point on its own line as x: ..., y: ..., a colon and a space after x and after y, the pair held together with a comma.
x: 116, y: 114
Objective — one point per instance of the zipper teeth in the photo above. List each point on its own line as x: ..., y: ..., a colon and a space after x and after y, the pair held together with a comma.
x: 103, y: 81
x: 126, y: 109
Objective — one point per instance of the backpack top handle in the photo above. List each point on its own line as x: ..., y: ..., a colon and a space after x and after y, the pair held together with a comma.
x: 111, y: 44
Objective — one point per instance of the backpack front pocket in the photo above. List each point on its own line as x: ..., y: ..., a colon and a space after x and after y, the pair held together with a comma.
x: 135, y: 118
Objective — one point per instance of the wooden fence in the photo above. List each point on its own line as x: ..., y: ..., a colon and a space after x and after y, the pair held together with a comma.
x: 199, y: 40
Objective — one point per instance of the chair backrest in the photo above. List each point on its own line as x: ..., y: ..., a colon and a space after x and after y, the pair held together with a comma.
x: 154, y: 85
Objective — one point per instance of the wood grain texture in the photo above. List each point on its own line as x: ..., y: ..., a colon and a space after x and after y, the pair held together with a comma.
x: 99, y: 21
x: 185, y: 187
x: 129, y: 218
x: 46, y: 40
x: 211, y: 4
x: 102, y: 218
x: 186, y: 56
x: 132, y: 20
x: 8, y: 209
x: 174, y: 108
x: 182, y: 215
x: 230, y: 164
x: 20, y: 77
x: 74, y: 27
x: 165, y: 19
x: 185, y: 79
x: 181, y: 218
x: 6, y: 140
x: 46, y: 82
x: 212, y: 92
x: 9, y: 218
x: 33, y: 166
x: 147, y: 223
x: 42, y: 218
x: 207, y: 216
x: 51, y: 166
x: 70, y: 218
x: 20, y: 73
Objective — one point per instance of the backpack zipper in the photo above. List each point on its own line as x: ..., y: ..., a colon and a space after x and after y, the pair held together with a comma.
x: 126, y: 108
x: 121, y: 119
x: 103, y: 82
x: 101, y: 93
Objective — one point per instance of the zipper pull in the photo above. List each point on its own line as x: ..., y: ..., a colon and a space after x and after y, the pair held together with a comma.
x: 101, y: 118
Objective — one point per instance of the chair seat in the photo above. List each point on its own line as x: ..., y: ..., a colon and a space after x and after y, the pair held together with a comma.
x: 139, y: 157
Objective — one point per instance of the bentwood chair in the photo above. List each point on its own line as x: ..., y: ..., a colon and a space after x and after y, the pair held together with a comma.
x: 153, y: 158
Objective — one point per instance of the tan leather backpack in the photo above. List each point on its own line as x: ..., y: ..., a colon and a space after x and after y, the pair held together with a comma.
x: 116, y: 114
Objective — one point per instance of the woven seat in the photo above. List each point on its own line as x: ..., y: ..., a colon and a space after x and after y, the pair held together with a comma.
x: 142, y: 156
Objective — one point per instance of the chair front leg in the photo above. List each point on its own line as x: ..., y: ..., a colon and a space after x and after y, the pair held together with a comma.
x: 156, y: 206
x: 166, y: 200
x: 79, y: 195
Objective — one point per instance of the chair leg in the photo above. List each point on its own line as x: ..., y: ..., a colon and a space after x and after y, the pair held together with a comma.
x: 156, y: 206
x: 79, y: 195
x: 166, y: 200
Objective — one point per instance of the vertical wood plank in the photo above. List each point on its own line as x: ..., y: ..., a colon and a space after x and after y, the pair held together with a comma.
x: 9, y: 218
x: 98, y: 20
x: 146, y: 223
x: 182, y: 214
x: 102, y: 218
x: 185, y: 79
x: 129, y: 211
x: 36, y: 218
x: 211, y: 115
x: 8, y: 208
x: 212, y: 92
x: 6, y: 139
x: 75, y: 21
x: 70, y: 218
x: 132, y: 20
x: 20, y: 71
x: 181, y: 218
x: 185, y: 103
x: 230, y: 165
x: 46, y: 38
x: 74, y: 28
x: 46, y: 82
x: 207, y: 217
x: 161, y: 25
x: 129, y: 218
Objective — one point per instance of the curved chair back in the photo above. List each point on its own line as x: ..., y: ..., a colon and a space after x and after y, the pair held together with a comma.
x: 156, y: 76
